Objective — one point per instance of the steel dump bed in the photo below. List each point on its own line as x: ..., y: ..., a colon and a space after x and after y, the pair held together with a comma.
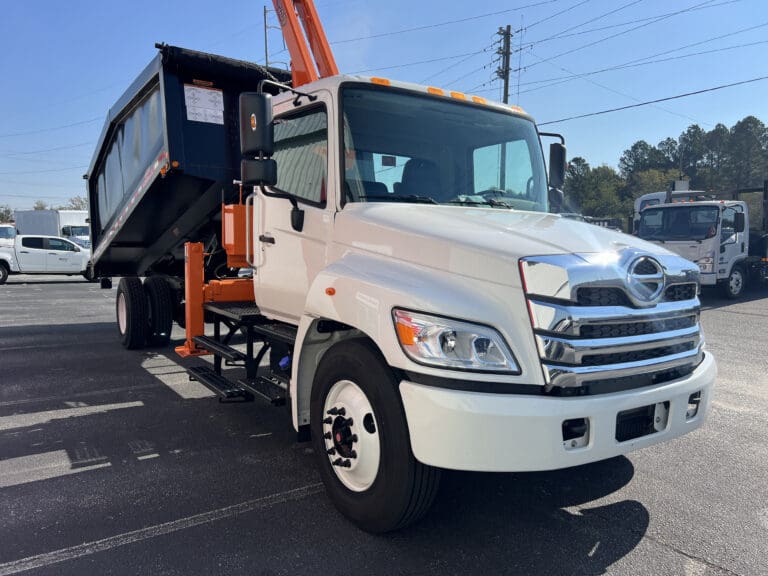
x: 166, y: 159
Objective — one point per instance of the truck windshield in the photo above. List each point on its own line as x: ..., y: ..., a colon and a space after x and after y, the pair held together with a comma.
x: 405, y: 147
x: 79, y: 231
x: 7, y: 232
x: 679, y: 222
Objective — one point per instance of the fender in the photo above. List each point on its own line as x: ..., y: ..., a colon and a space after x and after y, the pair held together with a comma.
x: 360, y: 290
x: 8, y: 256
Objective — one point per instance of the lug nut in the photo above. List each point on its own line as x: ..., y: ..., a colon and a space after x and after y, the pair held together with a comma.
x: 328, y: 420
x: 353, y: 438
x: 328, y: 436
x: 331, y: 451
x: 342, y: 463
x: 349, y: 422
x: 353, y: 454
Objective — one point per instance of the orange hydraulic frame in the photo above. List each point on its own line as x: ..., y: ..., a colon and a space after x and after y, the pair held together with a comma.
x: 303, y: 69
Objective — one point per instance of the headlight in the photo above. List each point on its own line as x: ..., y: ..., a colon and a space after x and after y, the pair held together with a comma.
x: 706, y: 264
x: 449, y: 343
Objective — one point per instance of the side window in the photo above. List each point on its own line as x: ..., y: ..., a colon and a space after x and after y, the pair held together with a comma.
x: 301, y: 152
x: 729, y: 224
x: 32, y: 242
x: 56, y: 244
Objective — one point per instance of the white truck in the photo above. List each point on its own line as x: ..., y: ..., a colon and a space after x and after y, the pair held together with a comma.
x: 35, y: 254
x: 412, y: 300
x: 72, y: 224
x: 727, y: 238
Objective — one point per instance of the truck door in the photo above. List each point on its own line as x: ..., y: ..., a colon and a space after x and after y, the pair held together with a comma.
x: 289, y: 259
x: 31, y: 254
x: 62, y: 256
x: 732, y: 243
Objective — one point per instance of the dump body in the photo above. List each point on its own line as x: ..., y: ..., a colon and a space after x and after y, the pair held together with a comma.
x: 166, y: 159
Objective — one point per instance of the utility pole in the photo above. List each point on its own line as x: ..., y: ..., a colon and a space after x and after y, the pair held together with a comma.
x: 266, y: 47
x: 505, y: 51
x: 503, y: 73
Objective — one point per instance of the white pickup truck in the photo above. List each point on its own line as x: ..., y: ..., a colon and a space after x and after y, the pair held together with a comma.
x: 43, y: 255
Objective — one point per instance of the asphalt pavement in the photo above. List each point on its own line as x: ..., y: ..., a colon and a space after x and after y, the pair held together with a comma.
x: 113, y: 462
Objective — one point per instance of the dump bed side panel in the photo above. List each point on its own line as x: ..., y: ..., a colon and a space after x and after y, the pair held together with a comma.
x: 167, y: 158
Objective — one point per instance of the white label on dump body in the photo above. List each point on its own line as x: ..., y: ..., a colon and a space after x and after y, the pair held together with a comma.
x: 204, y: 104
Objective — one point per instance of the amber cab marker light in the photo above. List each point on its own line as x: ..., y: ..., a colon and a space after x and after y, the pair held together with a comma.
x: 330, y: 291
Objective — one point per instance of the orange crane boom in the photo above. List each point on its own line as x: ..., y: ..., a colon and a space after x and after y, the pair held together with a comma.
x: 303, y: 68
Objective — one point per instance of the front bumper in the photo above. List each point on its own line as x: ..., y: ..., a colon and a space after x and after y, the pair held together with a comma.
x: 708, y: 279
x: 513, y: 433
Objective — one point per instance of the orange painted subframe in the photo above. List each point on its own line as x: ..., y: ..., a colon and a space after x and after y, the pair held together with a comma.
x: 197, y: 293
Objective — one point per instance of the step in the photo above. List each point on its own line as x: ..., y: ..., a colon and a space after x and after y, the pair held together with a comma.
x: 218, y: 348
x: 223, y: 387
x: 277, y: 331
x: 271, y: 389
x: 246, y: 312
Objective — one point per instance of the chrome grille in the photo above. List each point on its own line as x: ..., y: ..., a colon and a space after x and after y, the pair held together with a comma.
x: 596, y: 333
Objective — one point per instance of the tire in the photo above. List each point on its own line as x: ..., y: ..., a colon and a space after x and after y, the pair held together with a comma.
x: 3, y: 273
x: 159, y: 311
x: 131, y: 312
x: 88, y: 274
x: 381, y: 487
x: 734, y: 285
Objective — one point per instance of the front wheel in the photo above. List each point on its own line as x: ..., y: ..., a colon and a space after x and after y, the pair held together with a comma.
x: 3, y: 273
x: 734, y: 286
x: 360, y: 435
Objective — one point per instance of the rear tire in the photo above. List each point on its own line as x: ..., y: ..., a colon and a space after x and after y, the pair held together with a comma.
x: 131, y: 311
x: 734, y: 285
x: 3, y: 273
x: 379, y: 486
x: 160, y: 311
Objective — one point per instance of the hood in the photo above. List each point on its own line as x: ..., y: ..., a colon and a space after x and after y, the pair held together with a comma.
x: 689, y: 249
x: 484, y: 243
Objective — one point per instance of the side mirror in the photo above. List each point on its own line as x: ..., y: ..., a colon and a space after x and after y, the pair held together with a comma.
x: 258, y: 171
x: 740, y: 223
x: 257, y: 133
x: 556, y: 165
x: 556, y: 200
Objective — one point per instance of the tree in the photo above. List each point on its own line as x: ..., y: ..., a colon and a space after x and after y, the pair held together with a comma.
x: 40, y: 205
x: 638, y: 157
x: 6, y: 213
x: 667, y: 156
x: 75, y: 203
x: 716, y: 143
x: 576, y: 185
x: 747, y: 162
x: 691, y: 150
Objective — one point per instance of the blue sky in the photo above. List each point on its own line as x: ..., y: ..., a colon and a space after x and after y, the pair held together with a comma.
x: 64, y: 64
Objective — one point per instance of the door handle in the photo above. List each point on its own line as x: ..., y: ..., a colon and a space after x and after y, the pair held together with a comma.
x: 52, y: 254
x: 266, y: 239
x: 23, y: 251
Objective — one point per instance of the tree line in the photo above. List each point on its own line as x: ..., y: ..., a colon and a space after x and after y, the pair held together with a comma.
x: 718, y: 160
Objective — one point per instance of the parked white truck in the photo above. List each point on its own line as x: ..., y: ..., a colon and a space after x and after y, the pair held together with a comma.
x: 726, y: 238
x: 418, y: 305
x: 72, y: 224
x: 43, y: 255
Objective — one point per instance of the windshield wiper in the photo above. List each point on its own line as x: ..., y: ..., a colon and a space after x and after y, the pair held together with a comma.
x: 401, y: 198
x: 487, y: 202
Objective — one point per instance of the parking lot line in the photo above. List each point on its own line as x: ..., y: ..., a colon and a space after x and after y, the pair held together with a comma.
x: 88, y: 548
x: 36, y: 418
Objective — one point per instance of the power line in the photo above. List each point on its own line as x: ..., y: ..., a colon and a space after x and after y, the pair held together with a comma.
x: 555, y: 15
x: 437, y: 25
x: 58, y: 148
x: 617, y: 34
x: 62, y: 127
x: 43, y: 171
x: 596, y: 18
x: 634, y: 64
x: 452, y: 66
x: 420, y: 62
x: 560, y: 35
x: 712, y: 89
